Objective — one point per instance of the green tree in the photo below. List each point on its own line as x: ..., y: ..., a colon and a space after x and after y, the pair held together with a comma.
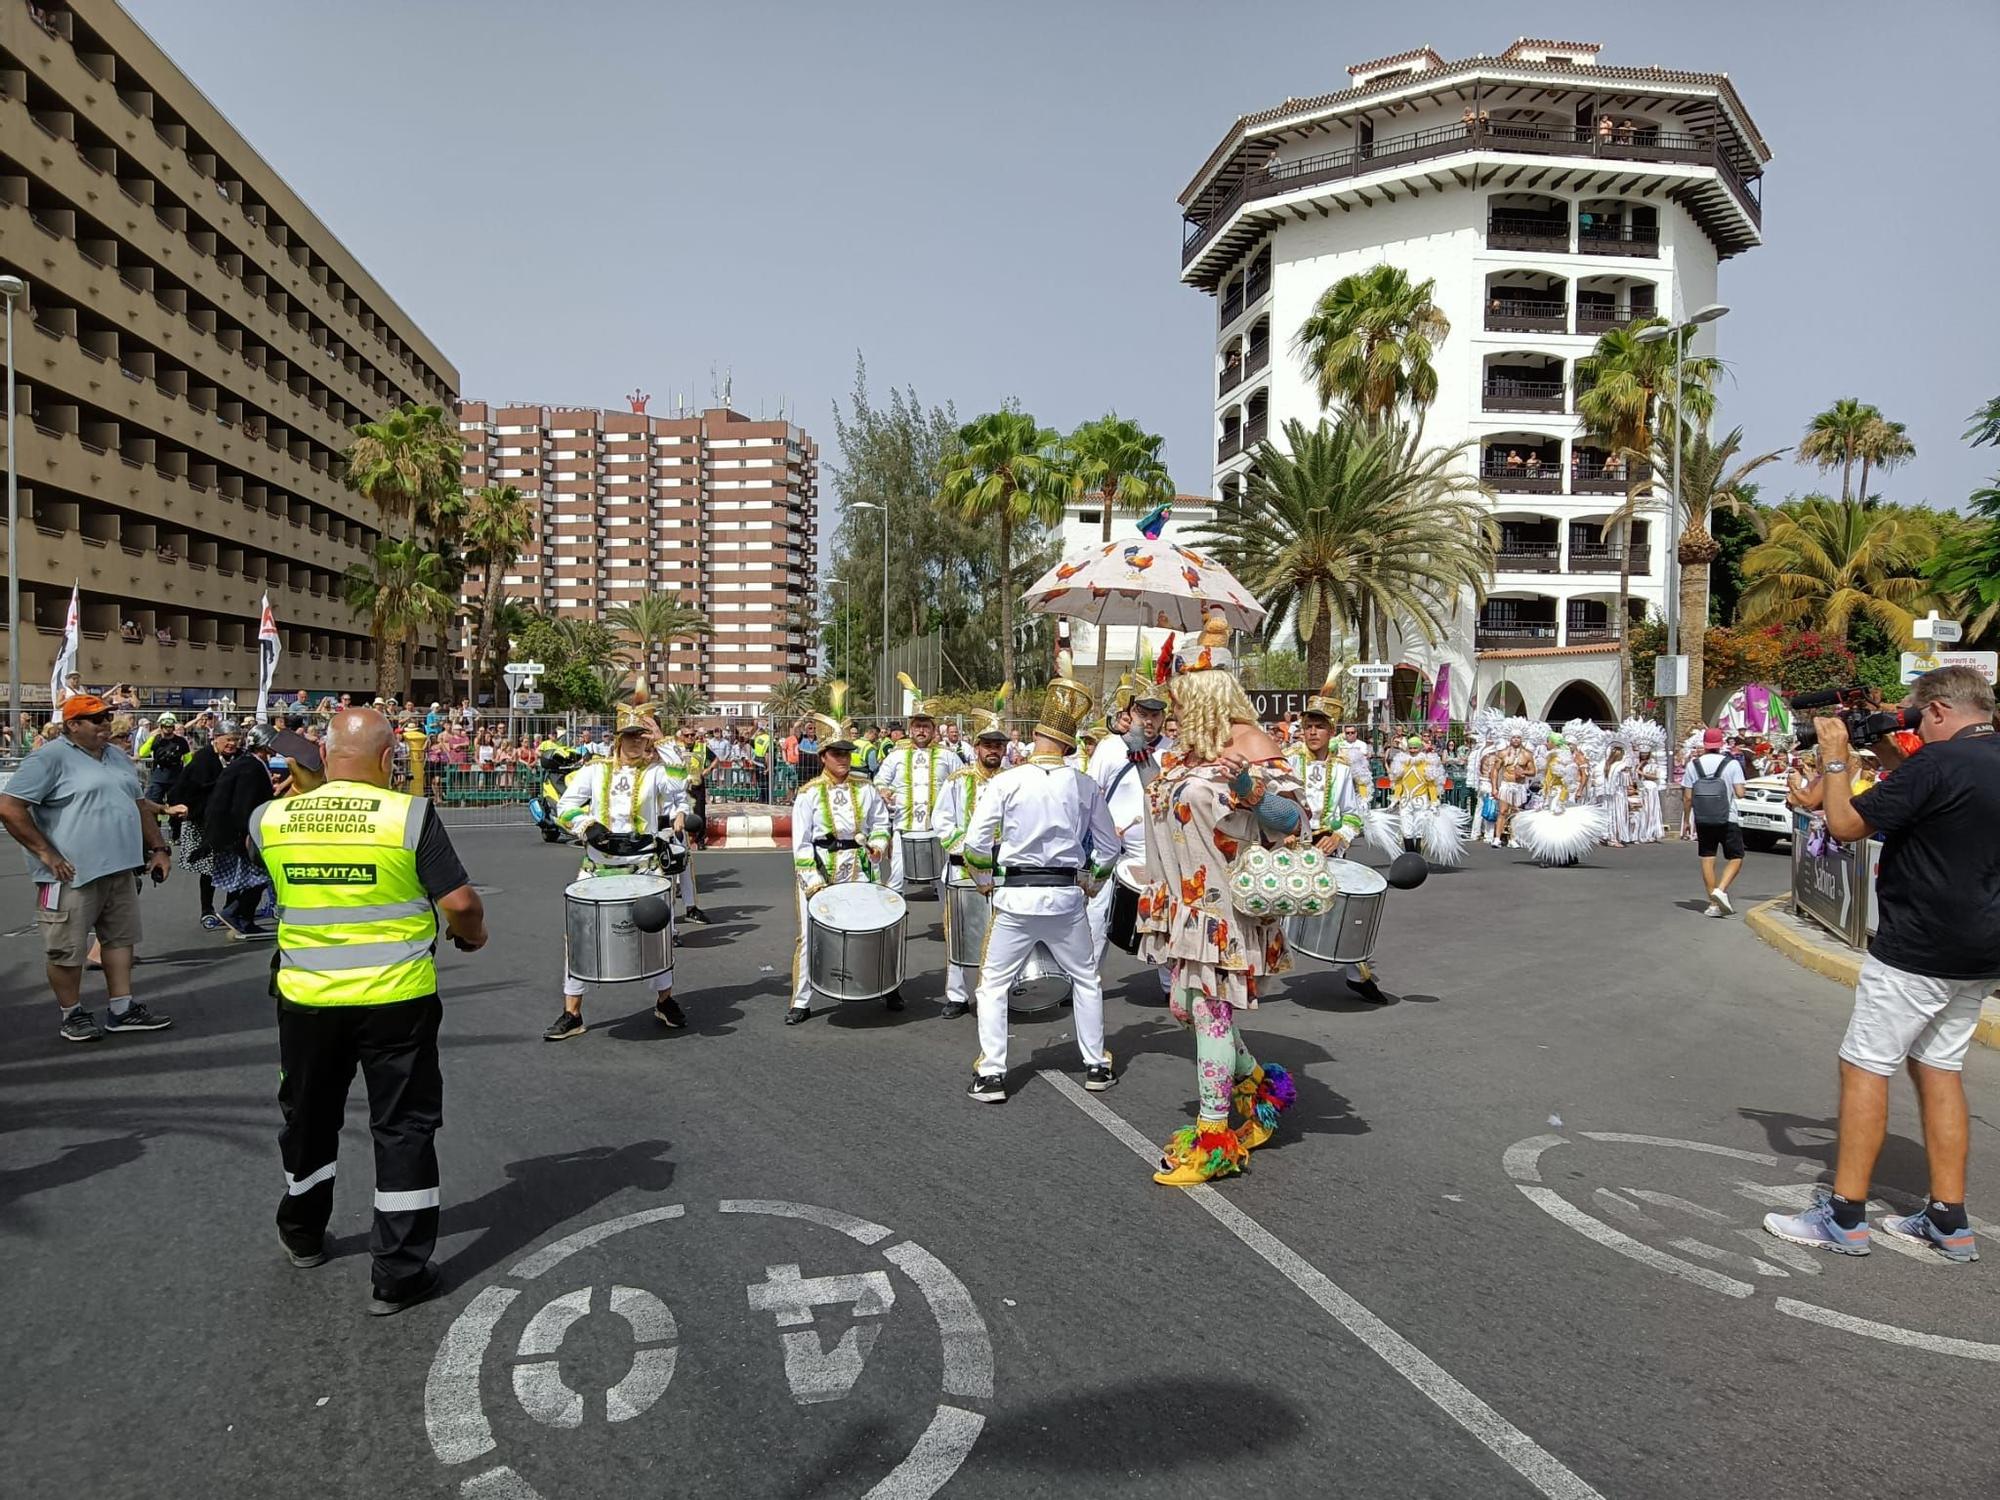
x: 1883, y: 445
x: 445, y: 518
x: 578, y: 655
x: 1279, y: 669
x: 1966, y: 565
x: 1355, y: 524
x: 678, y: 703
x: 1118, y: 463
x: 654, y: 622
x: 403, y: 589
x: 790, y: 701
x: 1834, y: 439
x: 1824, y: 563
x: 1368, y: 341
x: 1735, y: 532
x: 1007, y: 469
x: 1985, y: 426
x: 407, y: 464
x: 1621, y: 386
x: 499, y: 523
x: 1712, y: 476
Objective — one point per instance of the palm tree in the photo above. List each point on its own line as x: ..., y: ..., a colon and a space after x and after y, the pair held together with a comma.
x: 677, y: 703
x: 1967, y: 565
x: 445, y: 516
x: 1712, y: 478
x: 1368, y: 341
x: 655, y: 621
x: 790, y: 701
x: 1119, y: 463
x: 1621, y: 383
x: 1884, y: 445
x: 1824, y: 562
x: 1355, y: 524
x: 509, y: 620
x: 499, y: 523
x: 1985, y: 426
x: 1834, y: 439
x: 1004, y: 467
x: 407, y: 463
x: 402, y: 588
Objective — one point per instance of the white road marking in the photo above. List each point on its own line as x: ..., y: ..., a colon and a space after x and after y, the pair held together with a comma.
x: 1522, y: 1159
x: 831, y: 1218
x: 1621, y: 1138
x: 1515, y: 1448
x: 1625, y: 1208
x: 1702, y: 1250
x: 529, y: 1266
x: 498, y: 1484
x: 1559, y: 1207
x: 1786, y: 1255
x: 550, y: 1325
x: 816, y: 1373
x: 1888, y: 1333
x: 652, y: 1371
x: 458, y: 1427
x: 968, y: 1352
x: 937, y: 1456
x: 1668, y: 1200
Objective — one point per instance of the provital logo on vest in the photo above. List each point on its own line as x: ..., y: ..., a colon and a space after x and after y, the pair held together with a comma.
x: 341, y: 874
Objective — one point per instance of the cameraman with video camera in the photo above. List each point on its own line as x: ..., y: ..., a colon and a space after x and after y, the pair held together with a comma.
x: 1935, y: 955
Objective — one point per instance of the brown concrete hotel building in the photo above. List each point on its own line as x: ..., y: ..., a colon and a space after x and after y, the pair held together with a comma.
x: 715, y: 508
x: 193, y: 347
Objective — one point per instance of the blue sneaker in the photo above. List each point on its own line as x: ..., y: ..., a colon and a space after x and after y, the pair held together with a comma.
x: 212, y: 922
x: 1816, y: 1229
x: 1917, y: 1227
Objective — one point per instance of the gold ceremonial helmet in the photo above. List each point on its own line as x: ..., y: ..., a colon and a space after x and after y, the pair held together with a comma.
x: 987, y: 722
x: 1065, y: 702
x: 1323, y: 704
x: 834, y: 732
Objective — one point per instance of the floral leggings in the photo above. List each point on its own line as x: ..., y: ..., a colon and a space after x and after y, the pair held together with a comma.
x: 1220, y: 1058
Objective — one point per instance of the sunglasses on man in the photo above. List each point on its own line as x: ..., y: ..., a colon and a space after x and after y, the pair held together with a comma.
x: 103, y: 718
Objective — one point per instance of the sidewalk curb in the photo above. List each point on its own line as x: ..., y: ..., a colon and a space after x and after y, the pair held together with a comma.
x: 1769, y: 921
x: 739, y: 831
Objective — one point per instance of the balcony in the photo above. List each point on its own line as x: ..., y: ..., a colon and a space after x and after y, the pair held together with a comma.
x: 1255, y: 428
x: 1602, y: 478
x: 1258, y: 359
x: 1231, y: 377
x: 1523, y: 478
x: 1547, y: 233
x: 1232, y: 305
x: 1618, y: 239
x: 1519, y: 556
x: 1592, y: 632
x: 1520, y: 315
x: 1602, y: 317
x: 1602, y: 557
x: 1504, y: 633
x: 1505, y: 393
x: 1229, y: 445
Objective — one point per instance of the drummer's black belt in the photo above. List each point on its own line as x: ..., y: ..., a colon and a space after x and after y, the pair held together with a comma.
x: 824, y: 842
x: 955, y: 859
x: 1020, y: 876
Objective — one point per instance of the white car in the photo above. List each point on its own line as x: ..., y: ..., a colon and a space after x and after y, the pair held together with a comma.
x: 1761, y: 809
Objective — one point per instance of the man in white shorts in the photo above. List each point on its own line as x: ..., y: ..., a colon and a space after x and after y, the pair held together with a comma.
x: 1934, y: 958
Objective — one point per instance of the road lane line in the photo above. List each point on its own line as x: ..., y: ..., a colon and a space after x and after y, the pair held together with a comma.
x: 831, y: 1218
x: 529, y: 1266
x: 1507, y: 1442
x: 1889, y: 1334
x: 968, y: 1349
x: 1559, y: 1207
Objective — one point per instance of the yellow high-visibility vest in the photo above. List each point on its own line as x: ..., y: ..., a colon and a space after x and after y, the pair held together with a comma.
x: 355, y: 925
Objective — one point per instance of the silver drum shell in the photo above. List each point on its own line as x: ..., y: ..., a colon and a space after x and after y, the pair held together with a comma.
x: 967, y: 914
x: 846, y: 965
x: 923, y: 857
x: 1344, y: 933
x: 605, y: 945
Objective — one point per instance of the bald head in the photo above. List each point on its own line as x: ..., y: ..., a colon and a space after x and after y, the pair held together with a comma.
x: 359, y: 746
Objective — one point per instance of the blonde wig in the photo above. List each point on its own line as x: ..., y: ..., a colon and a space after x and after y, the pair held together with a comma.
x: 1207, y: 704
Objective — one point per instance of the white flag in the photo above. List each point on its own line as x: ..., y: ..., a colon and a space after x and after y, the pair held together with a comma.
x: 66, y: 657
x: 268, y: 651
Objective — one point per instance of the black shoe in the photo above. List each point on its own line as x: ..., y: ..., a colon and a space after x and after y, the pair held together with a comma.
x: 81, y: 1026
x: 696, y: 914
x: 988, y: 1088
x: 568, y: 1024
x: 136, y: 1018
x: 893, y: 1000
x: 796, y: 1014
x: 305, y: 1260
x: 668, y: 1013
x: 428, y: 1284
x: 1368, y: 990
x: 1097, y: 1078
x: 952, y: 1010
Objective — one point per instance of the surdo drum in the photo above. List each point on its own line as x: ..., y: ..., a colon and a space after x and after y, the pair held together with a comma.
x: 1040, y: 986
x: 1123, y: 928
x: 854, y: 941
x: 1345, y: 932
x: 606, y: 946
x: 923, y: 857
x: 966, y: 917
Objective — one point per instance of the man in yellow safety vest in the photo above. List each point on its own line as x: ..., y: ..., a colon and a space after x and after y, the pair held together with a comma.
x: 356, y: 868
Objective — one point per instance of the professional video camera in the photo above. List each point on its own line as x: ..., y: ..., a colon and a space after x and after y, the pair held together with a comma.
x: 1860, y: 708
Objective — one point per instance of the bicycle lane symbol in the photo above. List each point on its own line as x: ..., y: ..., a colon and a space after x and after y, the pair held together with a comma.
x: 816, y: 1371
x: 1715, y: 1249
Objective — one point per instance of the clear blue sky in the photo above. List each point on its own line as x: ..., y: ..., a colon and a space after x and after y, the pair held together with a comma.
x: 576, y: 199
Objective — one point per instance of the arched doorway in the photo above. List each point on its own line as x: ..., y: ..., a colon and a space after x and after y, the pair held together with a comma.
x: 1506, y: 697
x: 1579, y: 700
x: 1409, y: 693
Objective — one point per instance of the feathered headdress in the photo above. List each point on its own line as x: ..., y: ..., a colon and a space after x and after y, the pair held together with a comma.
x: 918, y: 709
x: 832, y: 725
x: 1643, y: 734
x: 1163, y: 668
x: 986, y: 723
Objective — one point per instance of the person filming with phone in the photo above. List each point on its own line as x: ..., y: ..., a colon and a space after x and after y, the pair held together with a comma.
x: 1934, y: 958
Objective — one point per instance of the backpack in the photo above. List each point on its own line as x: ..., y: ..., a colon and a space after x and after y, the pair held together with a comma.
x: 1709, y: 796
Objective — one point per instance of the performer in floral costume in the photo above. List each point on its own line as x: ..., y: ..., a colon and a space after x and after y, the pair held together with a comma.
x: 1230, y: 787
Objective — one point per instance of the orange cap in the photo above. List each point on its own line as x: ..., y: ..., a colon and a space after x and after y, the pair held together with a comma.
x: 81, y: 704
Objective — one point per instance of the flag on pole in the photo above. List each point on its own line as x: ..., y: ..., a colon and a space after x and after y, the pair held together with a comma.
x: 66, y: 657
x: 1155, y: 521
x: 1441, y: 697
x: 268, y: 651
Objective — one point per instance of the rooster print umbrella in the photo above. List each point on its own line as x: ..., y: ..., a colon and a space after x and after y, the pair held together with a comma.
x: 1156, y: 584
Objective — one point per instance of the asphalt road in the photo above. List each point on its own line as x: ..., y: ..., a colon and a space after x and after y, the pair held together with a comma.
x: 1504, y: 1246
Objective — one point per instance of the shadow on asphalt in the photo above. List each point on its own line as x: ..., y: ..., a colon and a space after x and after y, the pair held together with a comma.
x: 1144, y: 1427
x: 542, y: 1193
x: 1902, y: 1164
x: 709, y: 1012
x: 1318, y: 1110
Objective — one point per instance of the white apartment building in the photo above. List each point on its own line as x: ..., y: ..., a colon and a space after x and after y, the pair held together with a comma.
x: 1551, y: 197
x: 716, y: 508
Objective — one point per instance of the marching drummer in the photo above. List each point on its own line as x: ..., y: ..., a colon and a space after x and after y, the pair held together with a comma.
x: 910, y: 778
x: 1335, y: 800
x: 621, y: 801
x: 1123, y: 766
x: 1045, y: 818
x: 840, y: 833
x: 956, y: 805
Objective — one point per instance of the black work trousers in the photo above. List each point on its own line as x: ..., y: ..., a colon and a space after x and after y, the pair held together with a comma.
x: 396, y: 1048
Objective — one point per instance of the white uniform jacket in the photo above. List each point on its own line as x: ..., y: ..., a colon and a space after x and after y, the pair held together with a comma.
x: 1045, y: 815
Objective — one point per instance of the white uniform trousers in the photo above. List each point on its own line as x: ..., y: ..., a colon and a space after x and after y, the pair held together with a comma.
x: 1009, y: 941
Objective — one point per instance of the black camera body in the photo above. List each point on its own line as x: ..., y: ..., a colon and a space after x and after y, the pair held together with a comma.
x: 1866, y: 722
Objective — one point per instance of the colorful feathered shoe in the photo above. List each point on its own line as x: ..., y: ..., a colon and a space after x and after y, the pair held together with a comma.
x: 1261, y: 1097
x: 1200, y: 1152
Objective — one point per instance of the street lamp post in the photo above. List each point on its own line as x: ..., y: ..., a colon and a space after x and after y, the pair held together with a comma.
x: 1678, y: 332
x: 12, y: 289
x: 840, y: 634
x: 882, y: 678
